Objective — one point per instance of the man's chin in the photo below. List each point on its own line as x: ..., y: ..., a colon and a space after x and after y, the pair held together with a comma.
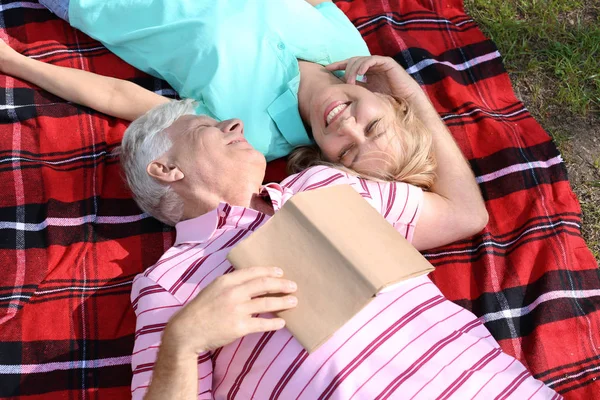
x: 253, y: 162
x: 261, y: 165
x: 260, y: 159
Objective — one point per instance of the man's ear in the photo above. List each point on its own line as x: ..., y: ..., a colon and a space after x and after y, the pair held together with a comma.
x: 163, y: 171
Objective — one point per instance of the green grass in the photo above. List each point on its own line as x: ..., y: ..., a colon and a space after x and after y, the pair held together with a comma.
x: 551, y: 46
x: 591, y: 212
x: 551, y: 49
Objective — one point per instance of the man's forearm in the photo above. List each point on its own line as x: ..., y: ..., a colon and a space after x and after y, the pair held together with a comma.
x: 175, y: 375
x: 111, y: 96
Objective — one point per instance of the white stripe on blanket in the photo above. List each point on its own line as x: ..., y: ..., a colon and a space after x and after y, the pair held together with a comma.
x: 519, y: 167
x: 548, y: 296
x: 412, y: 21
x: 492, y: 243
x: 458, y: 67
x: 86, y: 219
x: 65, y: 365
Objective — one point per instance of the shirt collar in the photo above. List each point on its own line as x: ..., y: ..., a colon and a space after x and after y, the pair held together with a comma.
x: 202, y: 228
x: 284, y: 111
x: 198, y: 229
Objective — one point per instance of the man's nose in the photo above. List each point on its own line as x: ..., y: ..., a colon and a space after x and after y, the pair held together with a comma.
x: 233, y: 125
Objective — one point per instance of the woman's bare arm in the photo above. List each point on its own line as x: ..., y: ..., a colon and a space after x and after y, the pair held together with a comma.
x: 454, y: 209
x: 115, y: 97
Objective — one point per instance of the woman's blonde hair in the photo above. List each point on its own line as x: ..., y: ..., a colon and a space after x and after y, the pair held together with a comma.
x: 412, y: 159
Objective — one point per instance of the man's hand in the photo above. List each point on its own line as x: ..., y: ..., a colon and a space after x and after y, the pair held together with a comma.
x: 221, y: 313
x: 224, y: 310
x: 383, y: 75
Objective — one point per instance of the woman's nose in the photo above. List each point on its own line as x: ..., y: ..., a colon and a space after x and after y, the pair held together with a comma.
x: 233, y: 125
x: 350, y: 128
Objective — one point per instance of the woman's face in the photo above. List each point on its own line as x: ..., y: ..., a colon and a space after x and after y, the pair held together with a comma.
x: 354, y: 127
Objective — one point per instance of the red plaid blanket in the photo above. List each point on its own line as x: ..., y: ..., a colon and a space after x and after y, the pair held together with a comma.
x: 71, y: 238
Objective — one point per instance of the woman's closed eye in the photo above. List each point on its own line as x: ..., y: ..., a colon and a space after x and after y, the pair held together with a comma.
x: 345, y: 152
x: 372, y: 127
x: 372, y: 132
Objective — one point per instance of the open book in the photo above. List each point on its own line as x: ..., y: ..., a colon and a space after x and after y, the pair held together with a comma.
x: 338, y: 249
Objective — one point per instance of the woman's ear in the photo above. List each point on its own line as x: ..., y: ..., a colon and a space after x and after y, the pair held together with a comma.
x: 164, y: 172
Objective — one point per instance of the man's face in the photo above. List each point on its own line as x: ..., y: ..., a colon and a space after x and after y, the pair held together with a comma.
x: 214, y: 156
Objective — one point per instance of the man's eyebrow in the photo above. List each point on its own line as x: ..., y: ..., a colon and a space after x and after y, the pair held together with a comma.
x: 192, y: 127
x: 202, y: 122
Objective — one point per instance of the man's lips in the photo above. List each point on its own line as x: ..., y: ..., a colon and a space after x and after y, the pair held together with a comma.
x: 239, y: 139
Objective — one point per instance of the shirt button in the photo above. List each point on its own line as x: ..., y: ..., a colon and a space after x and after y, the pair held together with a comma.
x: 281, y: 46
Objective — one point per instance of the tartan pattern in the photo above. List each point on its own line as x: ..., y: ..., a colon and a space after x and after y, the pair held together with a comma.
x: 71, y: 238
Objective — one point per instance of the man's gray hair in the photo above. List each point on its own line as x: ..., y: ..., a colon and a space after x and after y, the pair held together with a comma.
x: 143, y: 142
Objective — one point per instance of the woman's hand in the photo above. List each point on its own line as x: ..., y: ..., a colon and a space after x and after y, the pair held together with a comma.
x: 383, y: 75
x: 8, y: 56
x: 115, y: 97
x: 225, y: 310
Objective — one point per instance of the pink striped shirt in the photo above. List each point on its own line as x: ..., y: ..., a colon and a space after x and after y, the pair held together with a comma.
x: 410, y: 342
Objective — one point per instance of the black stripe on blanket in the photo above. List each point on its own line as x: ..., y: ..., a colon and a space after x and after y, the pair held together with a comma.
x: 40, y: 236
x: 66, y: 351
x: 413, y: 21
x: 563, y: 300
x: 512, y: 156
x: 437, y: 71
x: 560, y: 377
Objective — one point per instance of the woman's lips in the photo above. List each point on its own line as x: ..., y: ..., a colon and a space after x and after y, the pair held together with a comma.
x: 333, y: 111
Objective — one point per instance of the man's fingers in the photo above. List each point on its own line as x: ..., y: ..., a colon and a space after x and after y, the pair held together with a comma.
x: 267, y: 304
x: 266, y: 285
x: 241, y: 276
x: 264, y: 325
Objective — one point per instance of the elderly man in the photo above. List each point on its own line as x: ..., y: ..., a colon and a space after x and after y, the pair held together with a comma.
x: 206, y: 332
